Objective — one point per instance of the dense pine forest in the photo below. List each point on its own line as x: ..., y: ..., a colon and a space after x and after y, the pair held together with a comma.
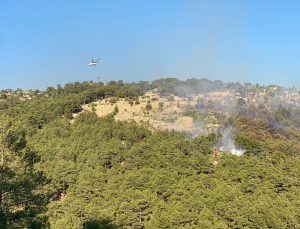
x: 63, y: 167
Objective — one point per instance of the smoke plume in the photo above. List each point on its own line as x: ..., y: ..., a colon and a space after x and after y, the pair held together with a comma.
x: 228, y: 144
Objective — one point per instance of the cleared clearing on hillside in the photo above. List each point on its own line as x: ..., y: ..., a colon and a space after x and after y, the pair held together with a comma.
x: 165, y: 113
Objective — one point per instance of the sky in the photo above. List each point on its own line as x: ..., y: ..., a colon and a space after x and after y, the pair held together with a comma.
x: 50, y: 42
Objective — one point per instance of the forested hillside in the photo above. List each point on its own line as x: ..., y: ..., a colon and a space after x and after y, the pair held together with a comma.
x: 61, y: 172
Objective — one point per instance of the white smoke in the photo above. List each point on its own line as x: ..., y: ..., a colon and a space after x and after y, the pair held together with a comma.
x: 228, y: 144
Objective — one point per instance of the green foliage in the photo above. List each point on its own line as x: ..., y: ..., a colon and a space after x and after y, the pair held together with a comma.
x: 148, y: 106
x: 160, y: 180
x: 137, y: 102
x: 131, y: 102
x: 99, y: 224
x: 161, y: 106
x: 113, y: 100
x: 20, y: 200
x: 116, y: 110
x: 94, y: 172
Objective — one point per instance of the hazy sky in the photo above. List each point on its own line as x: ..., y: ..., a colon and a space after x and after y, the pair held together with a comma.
x: 50, y: 42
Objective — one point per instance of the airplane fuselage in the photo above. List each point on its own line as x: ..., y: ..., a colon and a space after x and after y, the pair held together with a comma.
x: 92, y: 64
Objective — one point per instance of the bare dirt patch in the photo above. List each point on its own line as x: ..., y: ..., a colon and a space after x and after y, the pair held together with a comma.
x: 166, y: 112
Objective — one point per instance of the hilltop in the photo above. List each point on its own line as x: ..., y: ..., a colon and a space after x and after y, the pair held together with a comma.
x: 163, y: 154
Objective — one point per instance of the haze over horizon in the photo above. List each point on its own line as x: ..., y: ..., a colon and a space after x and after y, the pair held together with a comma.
x: 48, y: 43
